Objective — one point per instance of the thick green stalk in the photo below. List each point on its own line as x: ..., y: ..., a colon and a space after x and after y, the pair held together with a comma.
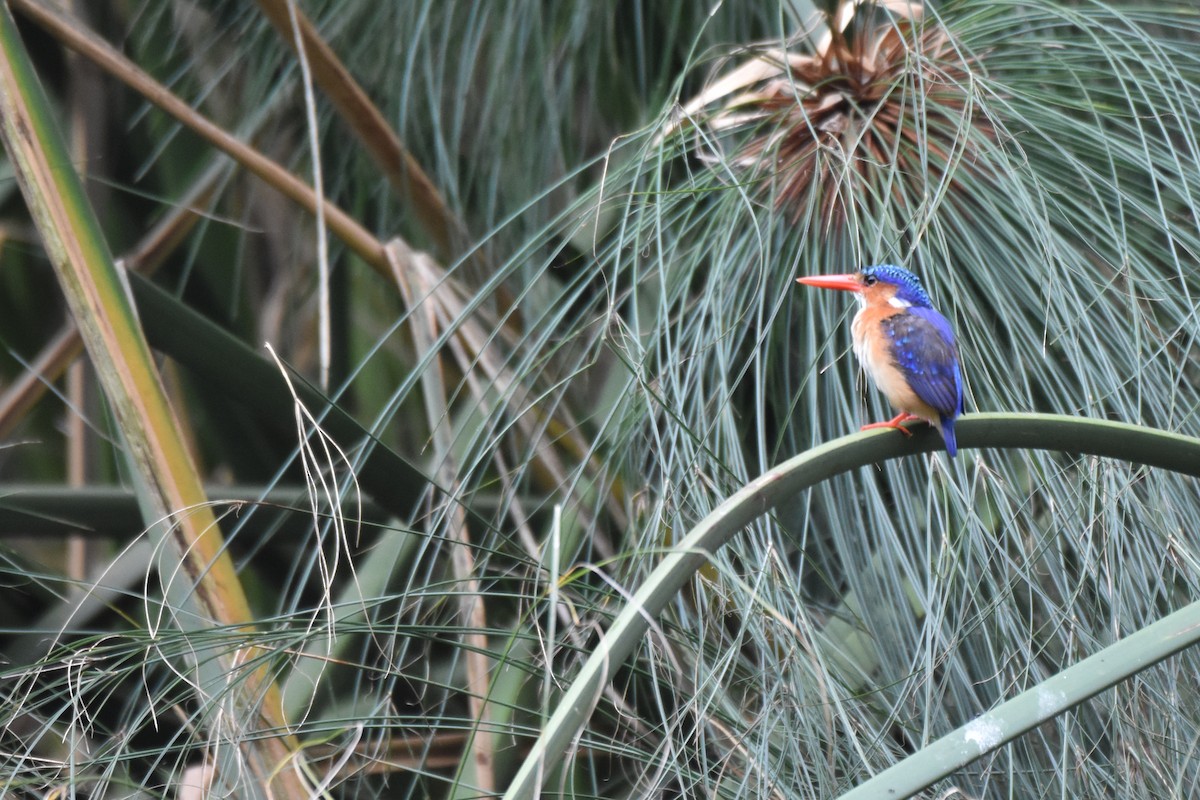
x: 1022, y: 431
x: 1031, y: 708
x: 175, y: 504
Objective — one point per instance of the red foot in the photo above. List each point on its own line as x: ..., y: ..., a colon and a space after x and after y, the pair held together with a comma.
x: 894, y: 422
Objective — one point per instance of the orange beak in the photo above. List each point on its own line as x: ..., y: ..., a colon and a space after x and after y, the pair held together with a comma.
x: 845, y: 283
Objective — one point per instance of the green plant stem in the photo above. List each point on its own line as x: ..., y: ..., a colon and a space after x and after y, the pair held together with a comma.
x: 175, y: 504
x: 1019, y: 431
x: 1032, y: 707
x: 23, y: 393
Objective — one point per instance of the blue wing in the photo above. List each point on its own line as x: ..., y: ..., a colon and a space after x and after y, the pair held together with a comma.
x: 923, y: 348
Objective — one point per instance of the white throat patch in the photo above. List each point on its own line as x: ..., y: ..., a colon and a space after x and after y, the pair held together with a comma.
x: 897, y: 302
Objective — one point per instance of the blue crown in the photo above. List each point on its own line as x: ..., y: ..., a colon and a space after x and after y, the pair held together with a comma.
x: 908, y: 285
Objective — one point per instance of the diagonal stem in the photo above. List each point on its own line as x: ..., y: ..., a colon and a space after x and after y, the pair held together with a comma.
x: 364, y: 118
x: 1033, y: 431
x: 75, y: 35
x: 175, y: 503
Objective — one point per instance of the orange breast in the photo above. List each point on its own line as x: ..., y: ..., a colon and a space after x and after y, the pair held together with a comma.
x: 874, y: 352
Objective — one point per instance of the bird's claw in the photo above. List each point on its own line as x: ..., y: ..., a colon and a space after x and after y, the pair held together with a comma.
x: 895, y: 422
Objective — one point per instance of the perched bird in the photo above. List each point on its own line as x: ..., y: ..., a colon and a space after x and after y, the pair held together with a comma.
x: 906, y: 347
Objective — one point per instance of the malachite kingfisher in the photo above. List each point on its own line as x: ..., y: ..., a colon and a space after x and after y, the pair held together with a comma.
x: 905, y: 345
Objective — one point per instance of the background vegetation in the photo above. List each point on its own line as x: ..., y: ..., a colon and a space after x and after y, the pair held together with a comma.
x: 537, y: 321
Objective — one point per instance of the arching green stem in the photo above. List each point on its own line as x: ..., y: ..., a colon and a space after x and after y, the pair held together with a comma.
x: 1132, y: 443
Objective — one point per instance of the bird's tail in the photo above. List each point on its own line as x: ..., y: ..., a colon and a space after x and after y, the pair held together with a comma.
x: 947, y: 429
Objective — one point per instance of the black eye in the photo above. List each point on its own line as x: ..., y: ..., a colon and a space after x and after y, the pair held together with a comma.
x: 870, y: 280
